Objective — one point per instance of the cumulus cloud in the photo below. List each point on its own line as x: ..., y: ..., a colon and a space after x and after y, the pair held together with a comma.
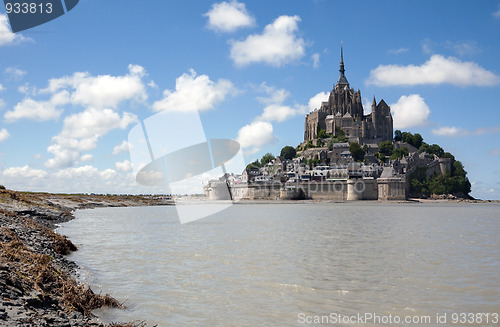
x: 447, y: 131
x: 24, y: 172
x: 277, y: 112
x: 6, y: 36
x: 81, y: 132
x: 410, y: 111
x: 84, y: 172
x: 275, y: 109
x: 194, y: 92
x: 254, y: 136
x: 122, y: 147
x: 4, y: 134
x: 123, y: 166
x: 315, y: 101
x: 458, y: 131
x: 39, y: 110
x: 437, y: 70
x: 103, y: 90
x: 228, y: 17
x: 14, y: 73
x: 87, y: 158
x: 277, y: 45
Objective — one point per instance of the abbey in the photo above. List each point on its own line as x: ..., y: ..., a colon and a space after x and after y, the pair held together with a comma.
x: 344, y: 111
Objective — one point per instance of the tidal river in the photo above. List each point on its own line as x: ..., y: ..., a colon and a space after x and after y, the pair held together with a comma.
x: 348, y: 264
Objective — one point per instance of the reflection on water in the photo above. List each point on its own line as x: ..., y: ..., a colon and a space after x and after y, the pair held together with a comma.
x: 264, y: 264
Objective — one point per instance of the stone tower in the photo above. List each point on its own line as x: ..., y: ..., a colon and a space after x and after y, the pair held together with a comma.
x: 344, y: 110
x: 343, y: 99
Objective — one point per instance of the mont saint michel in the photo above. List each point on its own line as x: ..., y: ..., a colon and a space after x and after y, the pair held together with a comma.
x: 348, y: 155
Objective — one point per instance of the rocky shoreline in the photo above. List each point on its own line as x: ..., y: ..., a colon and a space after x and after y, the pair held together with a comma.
x: 36, y: 279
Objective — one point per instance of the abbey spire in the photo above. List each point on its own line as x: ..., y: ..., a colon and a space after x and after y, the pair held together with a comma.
x: 342, y: 79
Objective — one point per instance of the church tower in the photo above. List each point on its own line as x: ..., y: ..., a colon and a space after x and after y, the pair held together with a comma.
x: 344, y: 100
x: 344, y: 110
x: 342, y: 79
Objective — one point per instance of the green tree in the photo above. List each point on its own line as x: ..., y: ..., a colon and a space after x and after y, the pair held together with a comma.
x: 322, y: 134
x: 386, y: 148
x: 432, y: 149
x: 267, y: 158
x: 330, y: 145
x: 399, y: 153
x: 357, y: 152
x: 255, y: 164
x: 288, y: 152
x: 417, y: 140
x: 398, y: 135
x: 407, y: 137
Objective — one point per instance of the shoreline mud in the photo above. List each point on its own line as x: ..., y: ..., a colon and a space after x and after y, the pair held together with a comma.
x: 37, y: 282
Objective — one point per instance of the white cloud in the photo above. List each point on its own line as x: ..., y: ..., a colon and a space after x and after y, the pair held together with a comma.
x: 122, y: 147
x: 457, y: 131
x: 255, y: 135
x: 39, y: 110
x: 275, y: 109
x: 152, y: 84
x: 81, y: 89
x: 107, y: 174
x: 198, y: 91
x: 410, y: 111
x: 137, y: 70
x: 277, y: 45
x: 84, y: 172
x: 448, y: 131
x: 2, y: 88
x: 77, y: 172
x: 228, y: 17
x: 496, y: 14
x: 14, y: 73
x: 103, y: 90
x: 273, y: 95
x: 315, y: 101
x: 24, y: 172
x: 398, y: 51
x: 277, y: 112
x: 437, y: 70
x: 87, y: 158
x: 6, y: 36
x: 315, y: 58
x: 81, y: 132
x: 123, y: 166
x: 4, y: 134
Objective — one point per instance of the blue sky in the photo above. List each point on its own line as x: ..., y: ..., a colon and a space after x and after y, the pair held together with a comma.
x: 71, y: 89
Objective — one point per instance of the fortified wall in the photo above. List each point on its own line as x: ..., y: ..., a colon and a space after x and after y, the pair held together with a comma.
x: 341, y: 190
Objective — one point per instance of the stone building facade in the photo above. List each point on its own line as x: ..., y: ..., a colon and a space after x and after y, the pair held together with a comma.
x: 344, y: 111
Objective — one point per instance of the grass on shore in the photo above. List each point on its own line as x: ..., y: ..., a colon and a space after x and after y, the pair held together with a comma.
x: 34, y: 271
